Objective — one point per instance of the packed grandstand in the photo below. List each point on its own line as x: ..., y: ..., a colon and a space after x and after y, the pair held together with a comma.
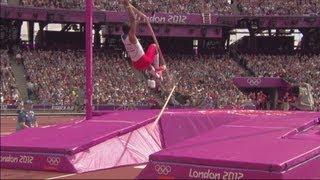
x: 56, y: 76
x: 224, y: 7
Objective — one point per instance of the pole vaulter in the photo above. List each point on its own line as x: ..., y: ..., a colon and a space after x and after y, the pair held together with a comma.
x: 152, y: 60
x: 144, y: 61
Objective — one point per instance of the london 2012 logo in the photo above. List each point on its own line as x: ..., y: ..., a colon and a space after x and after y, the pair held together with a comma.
x: 53, y: 161
x: 162, y: 169
x: 254, y: 81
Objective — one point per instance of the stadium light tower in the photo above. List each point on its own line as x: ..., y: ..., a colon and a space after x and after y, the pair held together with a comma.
x: 88, y: 63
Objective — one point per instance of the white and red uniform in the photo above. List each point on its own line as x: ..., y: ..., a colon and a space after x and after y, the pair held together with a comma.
x: 140, y: 60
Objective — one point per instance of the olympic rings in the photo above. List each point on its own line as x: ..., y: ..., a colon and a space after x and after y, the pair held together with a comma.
x: 254, y: 81
x: 162, y: 169
x: 53, y: 161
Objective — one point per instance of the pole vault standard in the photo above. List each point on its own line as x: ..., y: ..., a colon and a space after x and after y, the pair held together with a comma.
x: 88, y: 63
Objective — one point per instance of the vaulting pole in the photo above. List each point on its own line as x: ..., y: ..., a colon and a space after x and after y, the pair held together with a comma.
x: 88, y: 63
x: 155, y: 123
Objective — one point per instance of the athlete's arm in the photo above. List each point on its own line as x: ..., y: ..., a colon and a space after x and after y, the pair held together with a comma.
x: 133, y: 22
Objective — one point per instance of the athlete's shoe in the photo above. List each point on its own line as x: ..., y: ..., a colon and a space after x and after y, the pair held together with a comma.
x: 160, y: 75
x: 160, y: 71
x: 157, y: 75
x: 161, y: 68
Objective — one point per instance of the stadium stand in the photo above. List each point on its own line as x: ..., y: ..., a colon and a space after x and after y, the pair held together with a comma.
x: 9, y: 92
x: 296, y: 69
x: 51, y: 70
x: 207, y: 79
x: 244, y: 7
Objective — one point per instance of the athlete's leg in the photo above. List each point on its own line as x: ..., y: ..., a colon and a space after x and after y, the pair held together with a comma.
x: 153, y: 54
x: 156, y: 62
x: 153, y: 72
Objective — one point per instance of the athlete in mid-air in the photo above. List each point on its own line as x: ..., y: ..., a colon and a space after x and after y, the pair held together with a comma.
x: 141, y: 60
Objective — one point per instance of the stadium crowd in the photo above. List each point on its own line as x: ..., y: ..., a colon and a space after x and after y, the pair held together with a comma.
x: 295, y: 69
x: 58, y: 76
x: 9, y: 94
x: 208, y: 80
x: 245, y: 7
x: 276, y: 7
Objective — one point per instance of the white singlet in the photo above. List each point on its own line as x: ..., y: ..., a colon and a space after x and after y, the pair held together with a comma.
x: 135, y: 51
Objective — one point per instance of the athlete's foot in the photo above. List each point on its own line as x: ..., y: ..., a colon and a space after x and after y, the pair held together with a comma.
x: 156, y: 75
x: 161, y: 78
x: 161, y: 68
x: 160, y: 74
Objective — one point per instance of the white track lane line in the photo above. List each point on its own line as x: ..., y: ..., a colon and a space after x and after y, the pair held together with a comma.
x: 140, y: 167
x: 5, y: 133
x: 62, y: 176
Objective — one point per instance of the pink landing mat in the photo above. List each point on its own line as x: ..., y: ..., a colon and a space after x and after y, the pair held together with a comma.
x: 250, y: 144
x: 108, y: 140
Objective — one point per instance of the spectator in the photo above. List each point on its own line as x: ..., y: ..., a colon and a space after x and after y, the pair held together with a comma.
x: 210, y: 76
x: 223, y: 7
x: 1, y: 98
x: 10, y: 93
x: 301, y: 69
x: 30, y: 89
x: 207, y: 80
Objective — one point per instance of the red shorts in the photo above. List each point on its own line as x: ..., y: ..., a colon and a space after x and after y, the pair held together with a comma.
x: 147, y: 59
